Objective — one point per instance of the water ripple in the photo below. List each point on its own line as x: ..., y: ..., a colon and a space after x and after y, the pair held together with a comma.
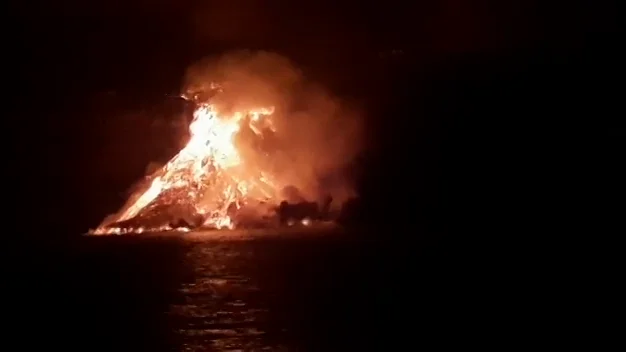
x: 220, y: 308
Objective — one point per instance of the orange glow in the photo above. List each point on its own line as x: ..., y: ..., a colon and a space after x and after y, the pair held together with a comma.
x: 209, y: 169
x: 260, y: 134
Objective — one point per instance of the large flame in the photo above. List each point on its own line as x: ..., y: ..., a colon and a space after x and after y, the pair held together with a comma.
x: 208, y: 173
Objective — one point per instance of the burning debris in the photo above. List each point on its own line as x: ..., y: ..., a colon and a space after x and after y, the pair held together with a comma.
x: 233, y: 170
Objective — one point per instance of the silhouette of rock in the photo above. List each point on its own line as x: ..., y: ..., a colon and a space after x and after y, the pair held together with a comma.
x: 298, y: 211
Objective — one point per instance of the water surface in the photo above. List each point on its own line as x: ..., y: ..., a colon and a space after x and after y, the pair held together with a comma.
x: 304, y: 290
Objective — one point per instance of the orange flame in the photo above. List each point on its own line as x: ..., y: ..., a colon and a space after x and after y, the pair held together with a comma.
x: 209, y: 168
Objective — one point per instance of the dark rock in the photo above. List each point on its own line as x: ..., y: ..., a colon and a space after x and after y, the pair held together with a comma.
x: 255, y: 215
x: 298, y: 211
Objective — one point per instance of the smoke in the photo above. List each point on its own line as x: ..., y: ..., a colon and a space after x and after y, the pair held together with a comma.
x: 312, y: 136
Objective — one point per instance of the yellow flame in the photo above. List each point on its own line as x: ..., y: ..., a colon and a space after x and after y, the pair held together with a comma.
x: 209, y: 158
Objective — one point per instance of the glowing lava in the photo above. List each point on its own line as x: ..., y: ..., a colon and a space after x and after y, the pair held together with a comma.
x: 207, y: 175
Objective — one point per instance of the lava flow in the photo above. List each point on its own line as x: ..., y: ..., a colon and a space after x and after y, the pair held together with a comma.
x: 205, y: 182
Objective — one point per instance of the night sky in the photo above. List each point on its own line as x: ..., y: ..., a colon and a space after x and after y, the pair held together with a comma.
x: 485, y: 103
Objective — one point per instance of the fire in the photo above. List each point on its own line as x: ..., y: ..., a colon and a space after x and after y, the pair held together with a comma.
x: 208, y: 174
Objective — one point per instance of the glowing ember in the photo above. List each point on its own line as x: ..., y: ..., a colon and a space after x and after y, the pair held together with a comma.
x: 207, y: 174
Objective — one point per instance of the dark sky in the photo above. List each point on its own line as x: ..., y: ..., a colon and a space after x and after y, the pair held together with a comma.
x: 109, y: 35
x: 479, y: 72
x: 102, y: 43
